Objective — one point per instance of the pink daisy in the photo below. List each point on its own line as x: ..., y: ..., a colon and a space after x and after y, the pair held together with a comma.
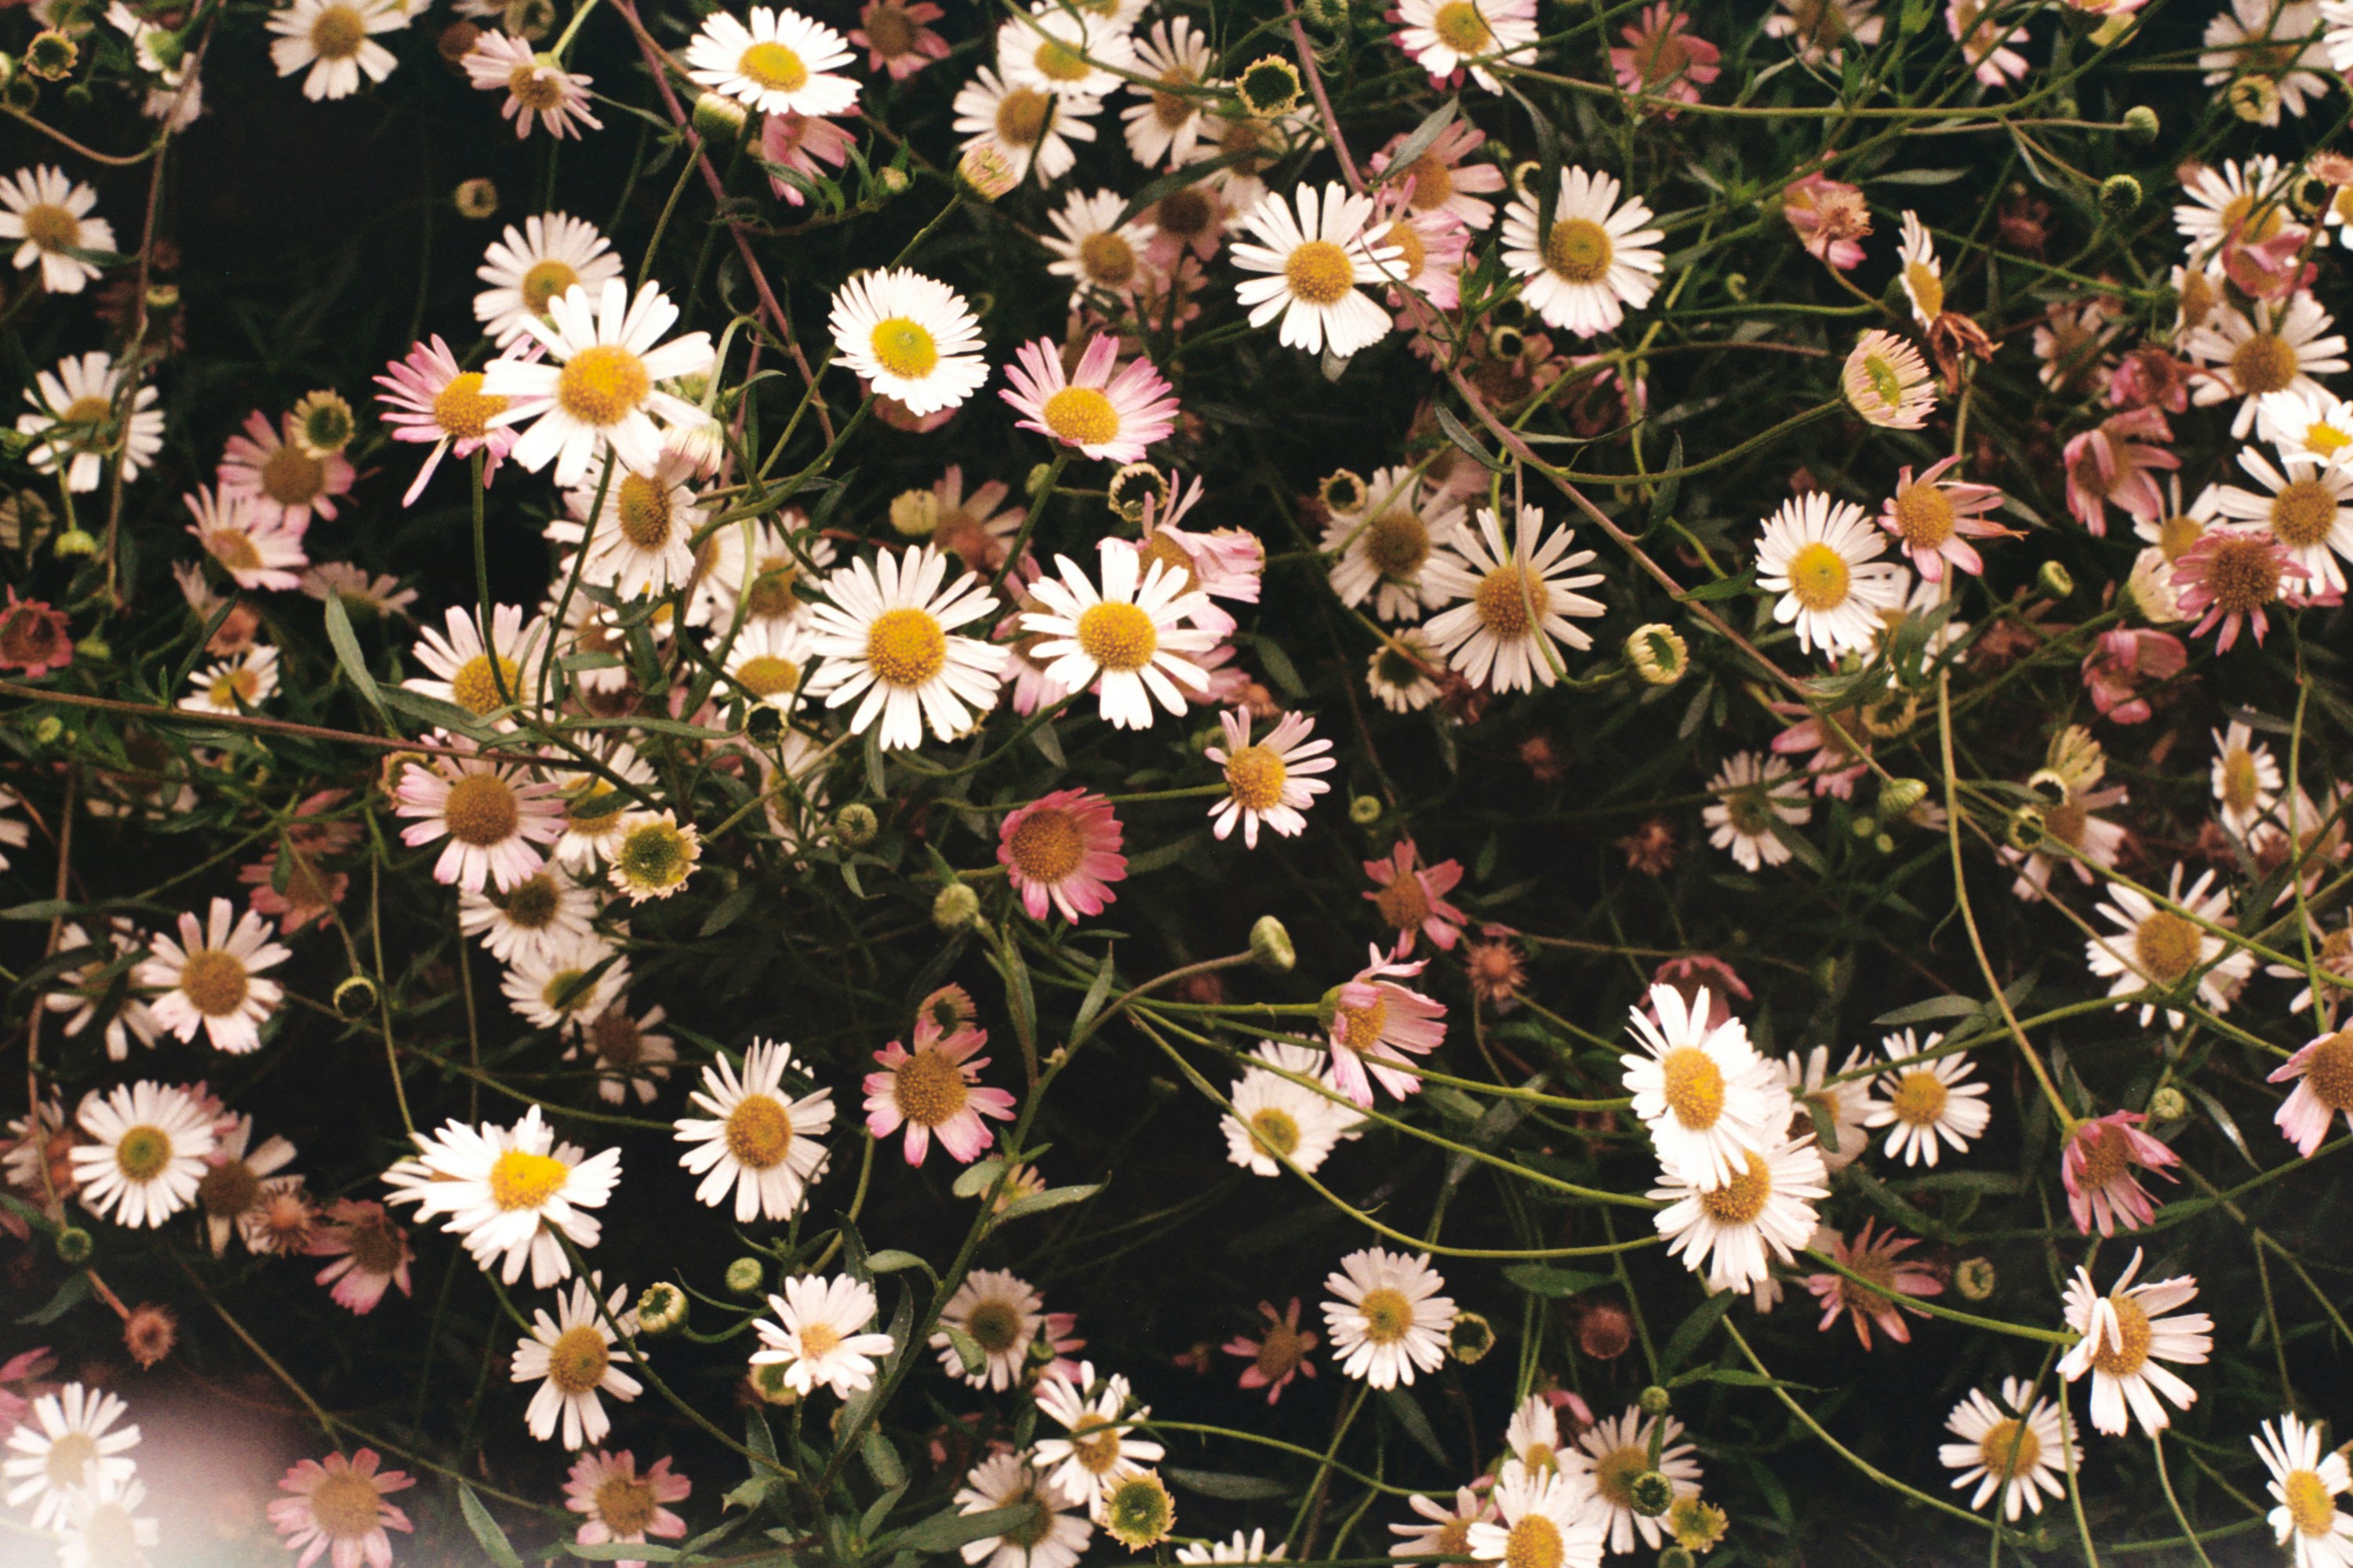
x: 370, y: 1252
x: 1878, y: 1259
x: 1830, y: 218
x: 491, y: 815
x: 2122, y: 662
x: 1224, y: 563
x: 1102, y: 415
x: 1440, y: 181
x: 257, y: 550
x: 1374, y: 1022
x: 897, y: 37
x: 428, y: 398
x: 1413, y: 897
x: 1829, y: 742
x: 1985, y: 42
x: 622, y: 1505
x: 19, y: 1367
x: 799, y: 143
x: 1663, y: 57
x: 537, y: 90
x: 1268, y: 780
x: 1278, y: 1354
x: 338, y: 1505
x: 2098, y: 1171
x: 1063, y: 848
x: 2232, y: 576
x: 2114, y: 463
x: 931, y: 1089
x: 287, y: 484
x: 1935, y: 518
x: 2323, y: 1074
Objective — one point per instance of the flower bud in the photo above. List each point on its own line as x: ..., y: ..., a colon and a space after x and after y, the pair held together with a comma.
x: 475, y: 199
x: 1270, y: 946
x: 1269, y: 88
x: 746, y: 1276
x: 915, y: 514
x: 1675, y: 1557
x: 1897, y: 798
x: 48, y: 729
x: 1649, y: 1494
x: 356, y: 999
x: 2119, y: 196
x: 1975, y: 1278
x: 51, y: 56
x: 956, y: 907
x: 2150, y: 588
x: 719, y: 118
x: 1365, y: 810
x: 661, y: 1308
x: 1655, y: 1401
x: 1330, y: 16
x: 95, y: 648
x: 1134, y: 486
x: 2025, y: 830
x: 2141, y: 124
x: 2168, y: 1104
x: 985, y: 172
x: 768, y: 1382
x: 74, y: 542
x: 1039, y: 473
x: 1658, y: 653
x: 763, y: 725
x: 1344, y: 491
x: 1883, y: 843
x: 856, y: 824
x: 74, y: 1246
x: 893, y: 180
x: 1470, y: 1339
x: 2055, y: 580
x: 149, y: 1332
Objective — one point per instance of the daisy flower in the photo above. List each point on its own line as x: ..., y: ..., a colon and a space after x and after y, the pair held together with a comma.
x: 653, y: 855
x: 530, y: 268
x: 2017, y: 1448
x: 74, y: 424
x: 1064, y: 51
x: 570, y: 1356
x: 1097, y: 252
x: 1312, y: 263
x: 1893, y: 1278
x: 2235, y: 577
x: 2154, y: 948
x: 1445, y: 1532
x: 1097, y: 1453
x: 2103, y: 1153
x: 1544, y: 1518
x: 287, y: 484
x: 371, y: 1254
x: 1028, y: 126
x: 764, y: 567
x: 2245, y: 778
x: 333, y: 42
x: 1823, y: 557
x: 1062, y: 847
x: 1663, y: 58
x: 2272, y: 41
x: 82, y: 991
x: 2322, y: 1072
x: 1820, y: 30
x: 101, y: 1526
x: 1533, y: 1437
x: 70, y: 1445
x: 2306, y: 1483
x: 1442, y: 181
x: 337, y: 1504
x: 627, y: 1053
x: 2127, y: 1334
x: 885, y: 639
x: 1768, y: 1206
x: 1705, y: 1093
x: 912, y: 337
x: 1000, y: 1313
x: 1886, y: 382
x: 1102, y: 415
x: 1274, y: 1116
x: 1375, y: 1024
x: 210, y: 978
x: 897, y: 37
x: 818, y: 1336
x: 619, y: 1505
x: 255, y: 550
x: 758, y: 1140
x: 1833, y: 1106
x: 1268, y: 781
x: 1985, y: 41
x: 487, y: 818
x: 768, y: 661
x: 2115, y: 463
x: 1387, y: 1321
x: 539, y: 90
x: 2304, y: 508
x: 600, y: 393
x: 1053, y: 1537
x: 1163, y: 126
x: 49, y: 215
x: 1445, y: 37
x: 805, y: 145
x: 551, y: 989
x: 1129, y: 641
x: 782, y: 63
x: 1757, y: 796
x: 231, y: 686
x: 1384, y: 546
x: 2271, y: 348
x: 1412, y: 898
x: 528, y: 918
x: 1927, y: 1101
x: 1515, y: 605
x: 428, y: 398
x: 1618, y: 1450
x: 148, y: 1152
x: 1399, y: 672
x: 932, y: 1091
x: 1596, y: 258
x: 234, y: 1182
x: 507, y: 1192
x: 1934, y: 518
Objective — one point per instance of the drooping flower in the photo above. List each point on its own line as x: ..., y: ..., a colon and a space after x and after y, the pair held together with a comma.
x: 1892, y: 1277
x: 2322, y: 1072
x: 2098, y: 1167
x: 1375, y: 1024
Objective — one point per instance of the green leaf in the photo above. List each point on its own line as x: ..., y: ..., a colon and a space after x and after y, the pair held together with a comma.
x: 1407, y: 1412
x: 891, y: 1260
x: 486, y: 1529
x: 1934, y: 1007
x: 1540, y: 1279
x: 1664, y: 502
x: 882, y: 1459
x: 622, y: 1551
x: 1692, y: 1331
x: 1460, y: 434
x: 347, y: 653
x: 1915, y: 177
x: 974, y: 1180
x: 433, y: 711
x: 1419, y: 139
x: 728, y: 910
x: 1278, y: 665
x: 1051, y: 1198
x: 966, y: 1348
x: 944, y: 1532
x: 2223, y: 1120
x: 1723, y: 588
x: 1097, y: 994
x: 69, y: 1294
x: 1225, y: 1484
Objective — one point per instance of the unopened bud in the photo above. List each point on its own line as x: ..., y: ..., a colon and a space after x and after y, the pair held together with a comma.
x: 74, y: 1246
x: 717, y: 118
x: 746, y: 1276
x: 51, y: 56
x: 956, y: 907
x: 475, y: 199
x: 1365, y: 810
x: 2119, y: 196
x: 74, y: 542
x: 1269, y: 88
x: 1655, y: 1401
x: 1470, y: 1339
x: 1975, y: 1277
x: 48, y: 729
x: 661, y: 1308
x: 2026, y: 829
x: 2141, y: 124
x: 1270, y: 946
x: 2168, y: 1104
x: 893, y: 180
x: 1899, y: 796
x: 1649, y: 1494
x: 1658, y: 654
x: 985, y: 172
x: 2055, y: 580
x: 356, y: 999
x: 915, y: 514
x: 856, y: 824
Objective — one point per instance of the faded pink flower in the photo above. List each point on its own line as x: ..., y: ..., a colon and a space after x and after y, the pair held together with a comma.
x: 1411, y: 897
x: 338, y: 1506
x: 2232, y: 576
x: 1663, y: 57
x: 1830, y: 218
x: 1376, y: 1023
x: 1278, y: 1354
x: 2122, y: 662
x: 2101, y: 1154
x: 370, y: 1252
x: 2114, y: 463
x: 800, y: 143
x: 897, y: 37
x: 1892, y: 1277
x: 622, y: 1505
x: 1934, y: 518
x: 1701, y: 977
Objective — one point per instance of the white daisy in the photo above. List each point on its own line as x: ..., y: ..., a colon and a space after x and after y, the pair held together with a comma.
x: 818, y: 1336
x: 66, y: 1443
x: 1384, y: 546
x: 571, y: 1357
x: 2157, y: 948
x: 642, y: 541
x: 491, y: 819
x: 74, y: 426
x: 1054, y: 1536
x: 236, y: 685
x: 1096, y: 1452
x: 1028, y: 126
x: 1923, y: 274
x: 597, y: 390
x: 1618, y: 1448
x: 1758, y: 796
x: 1596, y: 258
x: 2276, y: 41
x: 508, y: 1192
x: 1399, y: 672
x: 1445, y: 1532
x: 1547, y: 1518
x: 551, y: 989
x: 885, y: 640
x: 1820, y: 30
x: 147, y: 1153
x: 2306, y: 508
x: 2245, y: 779
x: 1270, y: 780
x: 1767, y: 1207
x: 2232, y: 204
x: 783, y: 63
x: 1097, y: 252
x: 912, y: 337
x: 1000, y: 1313
x: 768, y: 661
x: 1063, y: 51
x: 83, y: 990
x: 211, y: 978
x: 1448, y: 36
x: 2271, y: 348
x: 2126, y: 1335
x: 1387, y: 1321
x: 102, y: 1526
x: 759, y: 1140
x: 1273, y: 1114
x: 1250, y: 1548
x: 530, y: 917
x: 2017, y: 1448
x: 527, y: 269
x: 1163, y: 126
x: 1515, y: 605
x: 1316, y: 259
x: 2315, y: 426
x: 50, y: 216
x: 333, y: 42
x: 462, y: 668
x: 1705, y: 1093
x: 1927, y: 1101
x: 1823, y: 557
x: 2306, y: 1483
x: 1131, y: 636
x: 1832, y: 1105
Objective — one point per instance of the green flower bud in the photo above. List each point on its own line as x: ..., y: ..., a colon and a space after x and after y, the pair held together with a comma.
x: 1470, y: 1339
x: 51, y: 56
x: 746, y: 1276
x: 1133, y: 487
x: 47, y: 730
x: 1270, y: 946
x: 2168, y: 1104
x: 1365, y: 810
x: 893, y: 180
x: 356, y: 999
x: 719, y: 118
x: 661, y: 1308
x: 2119, y: 196
x: 475, y: 199
x: 985, y: 171
x: 1655, y: 1401
x: 74, y: 542
x: 2055, y: 580
x: 2141, y: 124
x: 1899, y: 796
x: 1649, y: 1494
x: 1675, y: 1557
x: 956, y: 907
x: 74, y: 1246
x: 856, y: 824
x: 1658, y: 653
x: 1975, y: 1278
x: 1269, y: 86
x: 2026, y: 828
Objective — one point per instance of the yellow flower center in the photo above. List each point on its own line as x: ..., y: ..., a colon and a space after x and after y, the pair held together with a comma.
x: 1319, y: 274
x: 2328, y: 1071
x: 643, y: 511
x: 1057, y: 61
x: 1511, y: 598
x: 1095, y: 1442
x: 461, y: 409
x: 929, y: 1089
x: 337, y: 33
x: 214, y: 981
x: 818, y: 1340
x: 2310, y: 1508
x: 905, y: 348
x: 51, y: 226
x: 1081, y: 415
x: 91, y: 411
x: 292, y: 477
x: 2236, y: 212
x: 1741, y: 1200
x: 1164, y: 552
x: 1460, y: 28
x: 1387, y: 1315
x: 1021, y: 117
x: 1919, y: 1098
x: 2241, y: 782
x: 774, y: 67
x: 2325, y: 439
x: 230, y: 686
x: 345, y: 1506
x: 1361, y: 1027
x: 2176, y: 534
x: 577, y: 1361
x: 1403, y: 902
x: 1046, y: 846
x: 2124, y: 1355
x: 2009, y: 1449
x: 1108, y: 259
x: 1927, y: 289
x: 626, y: 1505
x: 1579, y: 251
x: 759, y: 1133
x: 1535, y: 1542
x: 1406, y: 240
x: 603, y: 385
x: 476, y: 685
x: 1694, y: 1088
x: 536, y: 86
x: 1118, y: 636
x: 1274, y: 1130
x: 1254, y: 777
x: 1432, y: 183
x: 766, y: 674
x: 2264, y: 362
x: 1819, y: 576
x: 545, y: 281
x: 519, y: 1180
x: 1925, y: 515
x: 2165, y: 947
x: 2302, y: 513
x: 481, y: 811
x: 143, y: 1153
x: 906, y: 647
x: 566, y: 991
